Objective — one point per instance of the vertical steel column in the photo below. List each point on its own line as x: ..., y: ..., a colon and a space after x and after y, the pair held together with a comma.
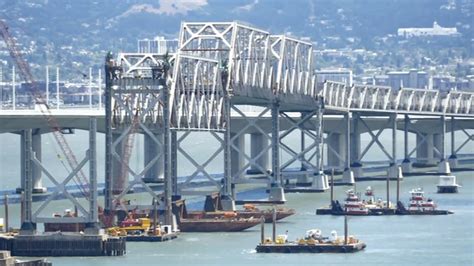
x: 277, y: 178
x: 57, y: 88
x: 93, y: 212
x: 27, y: 181
x: 174, y: 162
x: 348, y: 141
x: 355, y: 140
x: 99, y: 84
x: 47, y: 85
x: 90, y: 88
x: 453, y: 138
x: 443, y: 137
x: 303, y: 167
x: 166, y: 152
x: 13, y: 88
x: 108, y: 196
x: 319, y: 138
x: 394, y: 154
x: 227, y: 186
x: 405, y: 131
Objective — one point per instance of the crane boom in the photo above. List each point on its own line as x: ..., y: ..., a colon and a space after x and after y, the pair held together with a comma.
x: 39, y: 100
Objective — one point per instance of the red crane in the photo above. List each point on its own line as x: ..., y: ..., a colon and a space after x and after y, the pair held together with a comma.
x: 39, y: 100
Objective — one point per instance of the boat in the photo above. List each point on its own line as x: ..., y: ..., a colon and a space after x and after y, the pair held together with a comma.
x: 353, y: 205
x: 447, y: 184
x: 213, y: 209
x: 142, y: 229
x: 312, y: 242
x: 419, y: 205
x: 198, y: 222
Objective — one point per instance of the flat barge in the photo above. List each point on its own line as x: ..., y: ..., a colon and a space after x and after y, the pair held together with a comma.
x: 62, y: 244
x: 309, y: 248
x: 313, y: 242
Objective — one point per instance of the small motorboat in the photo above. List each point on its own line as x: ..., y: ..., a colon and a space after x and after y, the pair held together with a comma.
x: 447, y: 184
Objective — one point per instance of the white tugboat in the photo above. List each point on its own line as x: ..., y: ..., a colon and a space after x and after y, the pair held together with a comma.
x: 447, y: 184
x: 419, y: 203
x: 353, y: 205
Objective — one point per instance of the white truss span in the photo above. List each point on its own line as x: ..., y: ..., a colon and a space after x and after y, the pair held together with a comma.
x: 338, y: 96
x: 247, y: 65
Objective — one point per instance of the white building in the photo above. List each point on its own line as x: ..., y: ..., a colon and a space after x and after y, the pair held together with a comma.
x: 338, y: 75
x: 437, y: 30
x: 159, y: 45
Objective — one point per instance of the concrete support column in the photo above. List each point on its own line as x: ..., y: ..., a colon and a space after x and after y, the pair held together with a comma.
x: 394, y: 171
x: 152, y: 149
x: 119, y: 177
x: 355, y: 147
x: 406, y: 164
x: 336, y: 142
x: 276, y: 189
x: 258, y: 143
x: 237, y: 156
x: 174, y: 164
x: 227, y: 199
x: 348, y: 175
x: 27, y: 225
x: 453, y: 158
x: 36, y: 170
x: 443, y: 165
x: 425, y: 152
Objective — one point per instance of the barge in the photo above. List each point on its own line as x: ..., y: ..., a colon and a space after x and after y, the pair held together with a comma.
x: 313, y: 242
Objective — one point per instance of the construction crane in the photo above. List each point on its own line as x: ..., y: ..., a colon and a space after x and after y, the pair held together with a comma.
x: 39, y: 100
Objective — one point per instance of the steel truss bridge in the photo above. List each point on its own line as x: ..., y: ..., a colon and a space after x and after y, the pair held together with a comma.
x: 221, y: 68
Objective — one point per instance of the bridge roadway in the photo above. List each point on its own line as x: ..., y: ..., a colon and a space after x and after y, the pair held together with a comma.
x: 13, y: 121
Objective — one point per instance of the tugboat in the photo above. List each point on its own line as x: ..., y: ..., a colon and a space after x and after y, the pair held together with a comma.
x: 369, y: 192
x: 353, y: 205
x: 419, y: 205
x: 313, y: 242
x: 447, y: 184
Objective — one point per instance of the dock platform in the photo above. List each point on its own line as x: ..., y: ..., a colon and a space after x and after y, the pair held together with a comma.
x: 143, y: 238
x: 62, y: 244
x: 308, y: 248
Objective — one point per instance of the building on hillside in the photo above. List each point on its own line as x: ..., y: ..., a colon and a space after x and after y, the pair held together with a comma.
x: 436, y: 30
x: 338, y: 75
x: 158, y: 45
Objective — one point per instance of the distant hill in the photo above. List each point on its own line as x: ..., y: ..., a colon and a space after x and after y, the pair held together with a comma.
x: 62, y: 31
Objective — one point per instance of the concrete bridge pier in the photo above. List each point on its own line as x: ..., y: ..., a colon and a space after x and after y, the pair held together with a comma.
x: 36, y: 170
x: 443, y: 165
x: 237, y: 156
x: 151, y: 150
x: 453, y: 159
x: 348, y: 175
x: 406, y: 164
x: 277, y: 192
x: 336, y: 150
x: 120, y: 173
x: 425, y: 151
x: 394, y: 171
x: 356, y: 164
x: 258, y: 143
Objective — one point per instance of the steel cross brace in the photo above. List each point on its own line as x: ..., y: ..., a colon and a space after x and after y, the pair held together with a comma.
x: 199, y: 168
x: 469, y: 138
x: 137, y: 178
x: 251, y: 122
x: 60, y: 187
x: 298, y: 155
x: 375, y: 139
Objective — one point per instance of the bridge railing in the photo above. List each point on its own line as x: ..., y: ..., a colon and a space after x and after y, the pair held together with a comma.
x: 405, y: 100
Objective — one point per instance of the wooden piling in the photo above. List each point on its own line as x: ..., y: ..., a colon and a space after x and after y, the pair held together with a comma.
x: 388, y: 189
x: 5, y: 202
x: 345, y: 230
x: 262, y: 232
x: 274, y: 225
x: 154, y: 216
x: 398, y: 188
x: 332, y: 186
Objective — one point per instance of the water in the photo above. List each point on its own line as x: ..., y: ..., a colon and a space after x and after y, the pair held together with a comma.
x: 391, y: 240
